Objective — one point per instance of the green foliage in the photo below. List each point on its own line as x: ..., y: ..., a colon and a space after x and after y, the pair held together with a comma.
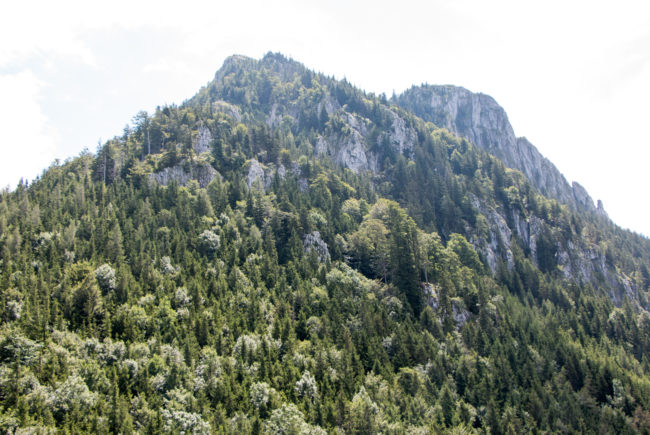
x: 132, y: 307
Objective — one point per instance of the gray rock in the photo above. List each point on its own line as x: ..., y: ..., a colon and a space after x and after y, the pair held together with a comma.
x: 459, y: 312
x: 203, y: 139
x: 184, y: 172
x: 352, y: 153
x: 400, y: 137
x: 275, y: 118
x: 330, y: 104
x: 581, y: 196
x: 497, y: 245
x: 228, y: 109
x: 257, y: 175
x: 479, y: 119
x: 322, y: 146
x: 303, y: 184
x: 577, y: 259
x: 349, y: 148
x: 281, y: 171
x: 314, y: 243
x: 431, y: 295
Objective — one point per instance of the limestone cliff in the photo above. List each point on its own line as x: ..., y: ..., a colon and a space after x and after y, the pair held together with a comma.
x: 343, y: 129
x: 185, y: 171
x: 479, y: 118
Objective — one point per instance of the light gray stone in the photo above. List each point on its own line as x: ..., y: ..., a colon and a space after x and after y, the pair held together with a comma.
x: 228, y: 109
x: 314, y: 243
x: 202, y: 142
x: 184, y: 172
x: 275, y: 117
x: 478, y: 118
x: 400, y: 137
x: 257, y: 175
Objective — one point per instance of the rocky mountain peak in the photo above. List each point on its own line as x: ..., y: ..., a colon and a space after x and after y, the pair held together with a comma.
x: 232, y: 64
x: 275, y: 63
x: 481, y: 120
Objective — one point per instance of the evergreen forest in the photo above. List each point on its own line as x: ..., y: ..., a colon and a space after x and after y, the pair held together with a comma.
x: 284, y: 253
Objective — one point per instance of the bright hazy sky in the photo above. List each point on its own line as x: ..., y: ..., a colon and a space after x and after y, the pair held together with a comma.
x: 573, y: 76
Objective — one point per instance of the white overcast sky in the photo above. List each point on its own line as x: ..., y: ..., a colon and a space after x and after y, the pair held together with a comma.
x: 573, y: 76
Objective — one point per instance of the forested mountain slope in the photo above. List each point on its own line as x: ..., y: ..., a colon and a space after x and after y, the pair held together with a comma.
x: 285, y: 253
x: 447, y: 184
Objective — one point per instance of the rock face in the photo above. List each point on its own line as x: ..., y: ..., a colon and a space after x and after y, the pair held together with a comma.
x: 184, y: 172
x: 459, y: 311
x: 497, y: 244
x: 475, y: 116
x: 228, y: 109
x: 352, y: 153
x: 479, y: 119
x: 257, y: 175
x: 350, y: 141
x: 314, y: 243
x: 401, y: 138
x: 202, y: 142
x: 261, y: 176
x: 274, y: 119
x: 349, y: 147
x: 576, y: 258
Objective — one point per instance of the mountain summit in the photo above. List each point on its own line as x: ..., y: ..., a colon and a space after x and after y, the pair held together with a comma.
x: 483, y: 122
x: 365, y: 133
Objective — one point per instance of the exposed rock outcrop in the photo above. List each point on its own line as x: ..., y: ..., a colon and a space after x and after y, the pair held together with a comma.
x: 228, y: 109
x: 496, y: 245
x: 202, y: 142
x: 459, y: 312
x: 352, y: 153
x: 275, y: 118
x: 351, y: 141
x: 479, y: 118
x: 258, y: 174
x: 184, y: 172
x: 329, y: 103
x: 400, y: 137
x: 314, y: 243
x: 349, y: 147
x: 575, y: 258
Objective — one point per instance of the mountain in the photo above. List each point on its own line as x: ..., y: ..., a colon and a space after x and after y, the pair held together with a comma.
x: 365, y: 133
x: 285, y: 253
x: 483, y: 122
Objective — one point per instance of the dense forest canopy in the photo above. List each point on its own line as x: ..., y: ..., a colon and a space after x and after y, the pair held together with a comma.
x: 284, y: 253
